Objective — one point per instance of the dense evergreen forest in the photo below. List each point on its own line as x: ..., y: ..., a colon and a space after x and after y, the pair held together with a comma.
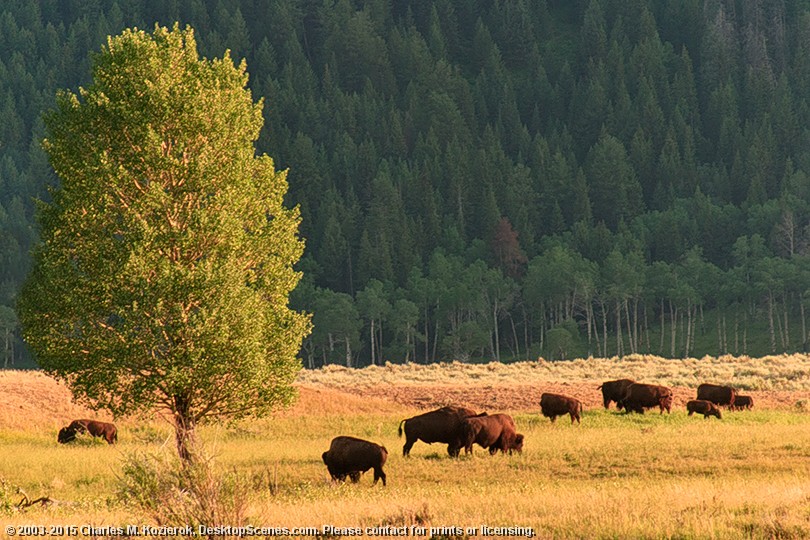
x: 490, y: 179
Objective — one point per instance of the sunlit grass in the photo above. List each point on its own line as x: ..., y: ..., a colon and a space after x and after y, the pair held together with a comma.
x: 613, y: 476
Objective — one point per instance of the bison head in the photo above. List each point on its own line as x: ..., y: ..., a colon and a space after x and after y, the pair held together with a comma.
x: 518, y: 444
x: 66, y: 435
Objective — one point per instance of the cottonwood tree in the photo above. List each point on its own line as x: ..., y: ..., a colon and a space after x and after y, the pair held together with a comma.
x: 165, y: 265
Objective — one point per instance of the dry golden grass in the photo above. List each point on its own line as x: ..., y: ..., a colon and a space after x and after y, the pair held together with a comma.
x: 613, y: 476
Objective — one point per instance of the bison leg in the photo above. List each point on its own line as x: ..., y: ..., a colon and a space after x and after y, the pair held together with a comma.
x: 354, y: 476
x: 553, y: 418
x: 378, y: 474
x: 406, y: 449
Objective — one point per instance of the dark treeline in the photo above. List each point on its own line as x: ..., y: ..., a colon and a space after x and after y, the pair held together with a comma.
x: 491, y: 180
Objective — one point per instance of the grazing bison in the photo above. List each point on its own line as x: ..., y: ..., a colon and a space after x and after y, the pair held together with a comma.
x: 554, y: 405
x: 441, y: 426
x: 701, y: 406
x: 743, y: 402
x: 350, y: 456
x: 105, y: 430
x: 717, y: 394
x: 66, y: 435
x: 495, y: 432
x: 640, y: 396
x: 614, y: 391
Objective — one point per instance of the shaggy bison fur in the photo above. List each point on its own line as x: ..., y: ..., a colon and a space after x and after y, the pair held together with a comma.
x: 439, y: 426
x: 495, y: 432
x: 614, y: 391
x: 554, y: 405
x: 105, y: 430
x: 350, y: 456
x: 701, y: 406
x: 640, y: 396
x: 717, y: 394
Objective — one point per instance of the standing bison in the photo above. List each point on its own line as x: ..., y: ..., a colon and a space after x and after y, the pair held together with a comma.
x: 439, y: 426
x: 614, y: 391
x: 717, y: 394
x: 105, y: 430
x: 350, y: 456
x: 640, y: 396
x: 495, y: 432
x: 743, y: 402
x: 554, y: 405
x: 701, y: 406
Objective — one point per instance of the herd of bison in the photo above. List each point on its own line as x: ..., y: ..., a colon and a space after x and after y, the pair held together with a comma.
x: 459, y: 427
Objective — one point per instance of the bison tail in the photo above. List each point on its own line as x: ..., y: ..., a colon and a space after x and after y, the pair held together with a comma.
x: 399, y: 431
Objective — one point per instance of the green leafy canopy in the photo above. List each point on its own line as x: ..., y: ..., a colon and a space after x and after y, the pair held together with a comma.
x: 166, y: 259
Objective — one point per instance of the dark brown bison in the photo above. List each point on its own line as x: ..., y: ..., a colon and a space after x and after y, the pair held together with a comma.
x: 640, y: 396
x: 614, y: 391
x: 105, y: 430
x: 743, y: 402
x: 495, y: 432
x: 554, y: 405
x: 717, y: 394
x: 439, y: 426
x: 701, y: 406
x: 350, y: 456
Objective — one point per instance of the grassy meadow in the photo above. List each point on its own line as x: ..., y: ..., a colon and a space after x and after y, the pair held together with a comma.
x: 613, y: 476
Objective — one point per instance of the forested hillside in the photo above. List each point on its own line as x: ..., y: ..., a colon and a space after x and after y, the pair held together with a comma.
x: 490, y: 179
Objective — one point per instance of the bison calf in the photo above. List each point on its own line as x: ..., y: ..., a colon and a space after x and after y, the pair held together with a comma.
x: 105, y: 430
x: 350, y: 456
x: 495, y: 432
x: 554, y: 405
x: 743, y: 402
x: 701, y: 406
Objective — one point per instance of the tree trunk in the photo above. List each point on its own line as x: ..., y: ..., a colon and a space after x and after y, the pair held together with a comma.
x: 604, y: 328
x: 630, y: 333
x: 689, y: 326
x: 619, y: 342
x: 184, y: 425
x: 771, y: 329
x: 514, y: 336
x: 497, y: 335
x: 427, y: 341
x: 371, y: 333
x: 348, y: 352
x: 673, y: 329
x: 663, y: 321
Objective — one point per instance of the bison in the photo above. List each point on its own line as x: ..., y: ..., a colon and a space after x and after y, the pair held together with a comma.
x: 554, y: 405
x: 350, y: 456
x: 701, y: 406
x: 495, y: 432
x: 717, y: 394
x: 640, y: 396
x: 441, y: 426
x: 614, y: 391
x: 743, y: 402
x: 105, y: 430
